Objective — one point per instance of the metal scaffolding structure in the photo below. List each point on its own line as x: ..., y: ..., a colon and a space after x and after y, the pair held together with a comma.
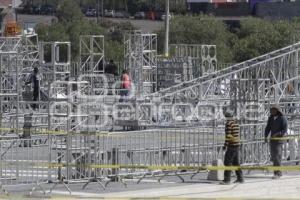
x: 91, y: 53
x: 30, y: 50
x: 141, y: 61
x: 10, y: 91
x: 129, y: 48
x: 17, y: 57
x: 55, y: 61
x: 280, y: 67
x: 251, y: 85
x: 203, y: 57
x: 173, y: 71
x: 249, y: 99
x: 187, y: 117
x: 254, y: 84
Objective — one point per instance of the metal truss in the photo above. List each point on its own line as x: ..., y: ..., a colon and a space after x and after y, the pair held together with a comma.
x: 203, y: 57
x: 253, y: 85
x: 129, y: 46
x: 91, y: 51
x: 17, y: 57
x: 9, y: 90
x: 249, y: 86
x: 278, y: 66
x: 141, y: 61
x: 10, y: 44
x: 65, y: 100
x: 173, y: 71
x: 30, y: 51
x: 249, y: 99
x: 55, y: 61
x: 65, y: 119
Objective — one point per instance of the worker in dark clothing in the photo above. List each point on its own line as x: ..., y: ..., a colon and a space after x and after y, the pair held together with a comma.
x: 232, y: 145
x: 277, y: 125
x: 111, y: 68
x: 34, y: 80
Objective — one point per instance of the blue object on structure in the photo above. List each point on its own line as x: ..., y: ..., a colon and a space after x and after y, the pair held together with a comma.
x: 252, y: 3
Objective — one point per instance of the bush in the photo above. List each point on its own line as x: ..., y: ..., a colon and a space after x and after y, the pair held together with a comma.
x: 254, y: 37
x: 200, y: 30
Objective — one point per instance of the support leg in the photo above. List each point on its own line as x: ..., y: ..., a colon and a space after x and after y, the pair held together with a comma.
x: 165, y: 174
x: 34, y: 188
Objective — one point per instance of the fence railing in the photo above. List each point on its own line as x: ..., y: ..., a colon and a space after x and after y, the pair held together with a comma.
x: 86, y: 157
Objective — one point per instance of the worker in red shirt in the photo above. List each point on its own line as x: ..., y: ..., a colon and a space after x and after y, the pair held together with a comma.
x: 125, y: 85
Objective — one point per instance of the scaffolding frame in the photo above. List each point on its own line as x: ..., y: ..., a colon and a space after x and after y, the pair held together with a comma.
x: 92, y: 54
x: 280, y: 66
x: 204, y: 57
x: 172, y: 71
x: 141, y: 61
x: 30, y: 50
x: 10, y: 90
x: 250, y: 95
x: 11, y: 44
x: 17, y: 57
x: 55, y: 67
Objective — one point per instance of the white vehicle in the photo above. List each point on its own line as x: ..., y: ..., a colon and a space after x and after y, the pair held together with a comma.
x: 109, y: 13
x: 163, y: 17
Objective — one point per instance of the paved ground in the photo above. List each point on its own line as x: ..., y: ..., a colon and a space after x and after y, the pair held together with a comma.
x: 257, y: 186
x: 144, y: 25
x: 35, y: 19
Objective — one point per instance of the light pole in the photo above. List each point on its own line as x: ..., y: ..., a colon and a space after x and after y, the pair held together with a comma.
x: 98, y: 4
x: 102, y: 9
x: 98, y: 10
x: 167, y: 26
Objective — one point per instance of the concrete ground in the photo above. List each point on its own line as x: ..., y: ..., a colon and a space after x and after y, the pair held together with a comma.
x: 147, y: 26
x: 257, y: 186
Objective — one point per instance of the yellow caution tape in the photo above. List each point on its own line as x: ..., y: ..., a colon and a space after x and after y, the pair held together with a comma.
x: 46, y: 131
x: 114, y: 134
x: 150, y: 167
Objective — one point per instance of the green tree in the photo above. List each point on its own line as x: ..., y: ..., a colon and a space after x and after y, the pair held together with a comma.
x: 254, y: 37
x: 200, y: 30
x: 69, y: 11
x: 55, y: 32
x: 257, y: 37
x: 72, y: 24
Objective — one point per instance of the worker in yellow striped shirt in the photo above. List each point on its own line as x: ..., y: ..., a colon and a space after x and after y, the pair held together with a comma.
x: 232, y: 144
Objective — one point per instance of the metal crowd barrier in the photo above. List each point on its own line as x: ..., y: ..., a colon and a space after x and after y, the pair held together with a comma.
x: 25, y: 161
x: 104, y: 157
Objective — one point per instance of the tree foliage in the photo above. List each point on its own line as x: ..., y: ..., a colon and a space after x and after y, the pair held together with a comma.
x: 200, y: 30
x: 257, y: 37
x: 254, y: 37
x: 71, y: 24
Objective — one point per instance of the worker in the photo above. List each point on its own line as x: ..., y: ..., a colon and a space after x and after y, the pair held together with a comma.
x: 125, y: 85
x: 34, y: 80
x: 232, y: 145
x: 276, y: 127
x: 111, y: 68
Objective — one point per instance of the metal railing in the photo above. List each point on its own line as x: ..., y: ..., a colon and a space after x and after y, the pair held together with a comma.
x: 86, y: 156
